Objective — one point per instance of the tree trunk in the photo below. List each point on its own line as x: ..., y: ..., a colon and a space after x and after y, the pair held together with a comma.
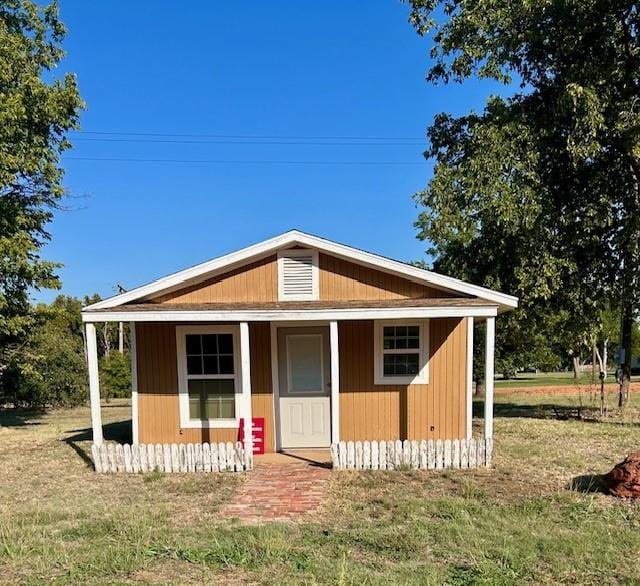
x: 105, y: 339
x: 603, y: 372
x: 576, y: 367
x: 121, y: 337
x: 594, y: 350
x: 627, y: 326
x: 84, y: 342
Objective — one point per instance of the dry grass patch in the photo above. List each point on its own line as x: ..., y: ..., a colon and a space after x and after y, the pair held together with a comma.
x: 517, y: 523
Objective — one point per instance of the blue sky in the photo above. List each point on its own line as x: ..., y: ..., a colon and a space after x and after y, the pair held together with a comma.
x: 250, y: 69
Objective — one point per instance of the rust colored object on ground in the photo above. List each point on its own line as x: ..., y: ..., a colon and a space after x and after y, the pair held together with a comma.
x: 624, y: 480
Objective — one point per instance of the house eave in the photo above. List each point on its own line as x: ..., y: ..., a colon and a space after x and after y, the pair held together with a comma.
x: 262, y: 315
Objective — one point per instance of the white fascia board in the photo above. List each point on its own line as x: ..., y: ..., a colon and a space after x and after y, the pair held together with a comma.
x: 303, y: 315
x: 256, y: 251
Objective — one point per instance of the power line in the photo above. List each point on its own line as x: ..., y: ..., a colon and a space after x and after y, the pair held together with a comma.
x: 247, y: 136
x: 247, y: 162
x: 246, y: 142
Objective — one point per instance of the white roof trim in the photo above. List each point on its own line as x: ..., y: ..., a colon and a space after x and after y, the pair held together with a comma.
x: 283, y: 315
x: 294, y: 237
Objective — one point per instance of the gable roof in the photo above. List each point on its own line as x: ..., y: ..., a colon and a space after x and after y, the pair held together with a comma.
x: 241, y: 257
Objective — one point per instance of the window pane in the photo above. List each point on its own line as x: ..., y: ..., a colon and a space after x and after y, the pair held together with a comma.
x: 209, y: 344
x: 412, y: 364
x: 194, y: 365
x: 195, y: 405
x: 217, y: 397
x: 389, y: 365
x: 221, y: 407
x: 222, y: 387
x: 193, y: 344
x: 389, y: 337
x: 220, y: 399
x: 226, y: 364
x: 210, y: 365
x: 401, y: 364
x: 401, y: 337
x: 225, y: 343
x: 210, y: 354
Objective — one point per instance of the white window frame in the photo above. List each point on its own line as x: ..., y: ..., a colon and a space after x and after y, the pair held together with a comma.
x: 290, y: 389
x: 315, y: 274
x: 183, y: 377
x: 423, y: 353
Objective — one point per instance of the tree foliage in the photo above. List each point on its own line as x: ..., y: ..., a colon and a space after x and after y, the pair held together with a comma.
x: 36, y: 112
x: 539, y: 194
x: 115, y: 376
x: 48, y: 367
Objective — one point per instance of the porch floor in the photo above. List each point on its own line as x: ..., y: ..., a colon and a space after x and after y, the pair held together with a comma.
x: 311, y: 457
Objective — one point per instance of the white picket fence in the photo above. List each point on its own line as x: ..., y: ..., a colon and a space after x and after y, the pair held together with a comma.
x: 418, y: 455
x: 206, y: 457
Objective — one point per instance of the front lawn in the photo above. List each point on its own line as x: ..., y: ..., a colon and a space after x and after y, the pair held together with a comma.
x: 556, y: 379
x: 518, y: 523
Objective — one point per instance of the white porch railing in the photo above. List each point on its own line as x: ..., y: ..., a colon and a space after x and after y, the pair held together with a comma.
x: 205, y: 457
x: 417, y: 455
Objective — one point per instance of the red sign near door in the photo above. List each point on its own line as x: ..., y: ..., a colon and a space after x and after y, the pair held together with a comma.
x: 257, y: 435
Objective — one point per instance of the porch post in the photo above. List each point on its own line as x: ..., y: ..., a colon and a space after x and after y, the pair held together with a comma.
x: 94, y: 383
x: 469, y: 377
x: 335, y: 382
x: 134, y: 383
x: 488, y: 378
x: 245, y: 361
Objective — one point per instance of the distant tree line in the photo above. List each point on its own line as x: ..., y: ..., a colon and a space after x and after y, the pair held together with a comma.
x: 47, y: 366
x: 547, y: 348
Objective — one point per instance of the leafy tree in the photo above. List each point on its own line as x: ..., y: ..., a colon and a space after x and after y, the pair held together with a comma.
x: 539, y: 194
x: 36, y: 111
x: 115, y: 376
x: 48, y: 368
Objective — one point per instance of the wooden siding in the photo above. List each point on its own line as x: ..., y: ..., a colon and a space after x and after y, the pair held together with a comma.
x: 436, y: 410
x: 340, y: 280
x: 257, y: 281
x: 158, y: 408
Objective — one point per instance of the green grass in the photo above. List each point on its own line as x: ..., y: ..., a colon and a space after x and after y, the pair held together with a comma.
x: 519, y: 522
x: 554, y: 379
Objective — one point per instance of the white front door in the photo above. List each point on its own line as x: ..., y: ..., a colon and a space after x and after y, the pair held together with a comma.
x: 304, y: 376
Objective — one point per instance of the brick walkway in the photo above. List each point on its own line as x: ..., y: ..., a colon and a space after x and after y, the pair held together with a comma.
x: 278, y: 492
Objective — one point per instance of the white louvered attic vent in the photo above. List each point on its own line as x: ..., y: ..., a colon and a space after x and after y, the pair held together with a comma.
x: 297, y: 275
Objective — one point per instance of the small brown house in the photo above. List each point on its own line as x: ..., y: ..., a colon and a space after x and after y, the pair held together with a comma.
x: 322, y: 341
